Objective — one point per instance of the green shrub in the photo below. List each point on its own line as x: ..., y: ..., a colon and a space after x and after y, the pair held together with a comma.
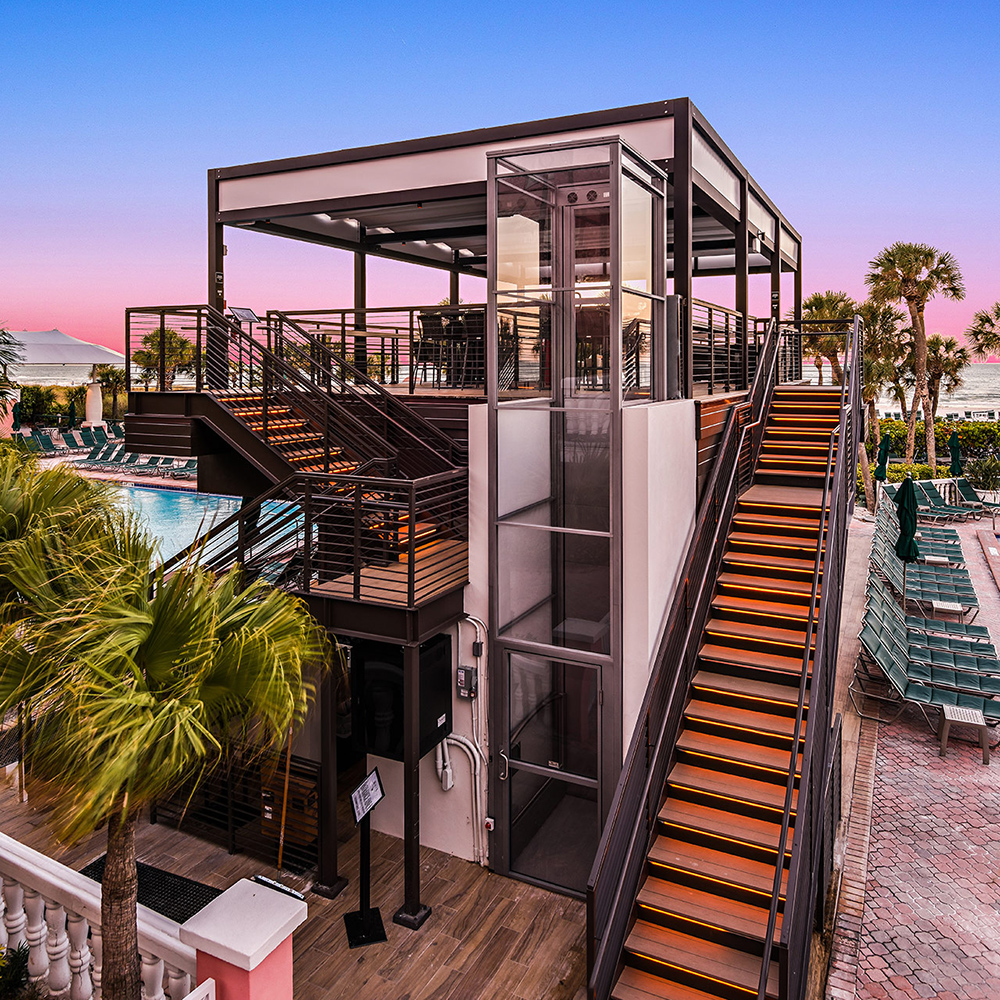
x: 978, y: 438
x: 14, y: 983
x: 36, y: 401
x: 898, y: 471
x: 983, y: 473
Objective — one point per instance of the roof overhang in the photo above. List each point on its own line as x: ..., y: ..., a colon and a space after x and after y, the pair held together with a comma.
x: 423, y: 201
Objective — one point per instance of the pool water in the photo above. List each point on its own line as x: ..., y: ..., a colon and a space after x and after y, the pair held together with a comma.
x: 177, y: 518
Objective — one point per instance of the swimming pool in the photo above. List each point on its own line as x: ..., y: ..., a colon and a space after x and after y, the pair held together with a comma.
x: 174, y: 517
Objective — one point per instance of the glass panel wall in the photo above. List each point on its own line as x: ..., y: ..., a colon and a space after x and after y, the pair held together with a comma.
x: 576, y: 313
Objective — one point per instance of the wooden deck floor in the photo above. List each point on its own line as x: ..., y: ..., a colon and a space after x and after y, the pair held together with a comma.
x: 488, y: 937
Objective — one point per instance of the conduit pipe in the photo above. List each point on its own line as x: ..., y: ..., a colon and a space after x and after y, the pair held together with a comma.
x: 442, y: 764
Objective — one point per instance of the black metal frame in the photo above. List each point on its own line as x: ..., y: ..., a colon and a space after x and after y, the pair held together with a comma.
x: 631, y: 823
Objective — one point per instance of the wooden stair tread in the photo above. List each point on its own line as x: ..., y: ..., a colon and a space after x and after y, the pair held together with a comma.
x: 705, y: 907
x: 775, y: 541
x: 712, y: 960
x: 752, y: 605
x: 783, y: 496
x: 742, y: 751
x: 634, y: 984
x: 721, y: 823
x: 777, y: 585
x: 758, y: 633
x: 743, y: 718
x: 757, y: 876
x: 748, y: 687
x: 770, y: 560
x: 732, y: 786
x: 777, y: 521
x: 760, y: 659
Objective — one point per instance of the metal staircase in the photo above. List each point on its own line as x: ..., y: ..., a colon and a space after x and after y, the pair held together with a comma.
x: 718, y: 843
x: 369, y: 500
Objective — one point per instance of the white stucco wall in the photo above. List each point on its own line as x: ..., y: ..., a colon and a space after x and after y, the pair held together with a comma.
x: 446, y: 818
x: 659, y: 495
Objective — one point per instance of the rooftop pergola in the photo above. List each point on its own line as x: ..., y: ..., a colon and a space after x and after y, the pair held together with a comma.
x: 423, y: 201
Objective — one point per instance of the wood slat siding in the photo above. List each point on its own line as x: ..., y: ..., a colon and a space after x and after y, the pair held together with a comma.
x: 711, y: 415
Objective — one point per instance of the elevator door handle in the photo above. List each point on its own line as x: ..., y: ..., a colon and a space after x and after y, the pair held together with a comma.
x: 506, y: 767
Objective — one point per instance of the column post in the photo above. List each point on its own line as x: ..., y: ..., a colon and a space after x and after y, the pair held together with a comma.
x: 329, y: 883
x: 360, y: 302
x: 743, y: 280
x: 412, y: 913
x: 243, y: 940
x: 683, y: 242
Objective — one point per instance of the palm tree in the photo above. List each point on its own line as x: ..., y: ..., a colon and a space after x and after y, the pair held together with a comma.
x: 885, y: 349
x: 141, y: 686
x: 914, y: 273
x: 946, y: 360
x: 10, y: 354
x: 984, y: 333
x: 827, y: 341
x: 112, y: 378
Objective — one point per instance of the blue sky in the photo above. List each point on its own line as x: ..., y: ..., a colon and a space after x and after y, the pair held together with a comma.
x: 866, y: 123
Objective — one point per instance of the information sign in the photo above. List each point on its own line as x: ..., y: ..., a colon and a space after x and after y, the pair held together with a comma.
x: 367, y: 796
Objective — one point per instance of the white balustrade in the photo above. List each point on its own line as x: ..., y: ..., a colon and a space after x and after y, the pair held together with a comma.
x: 57, y: 913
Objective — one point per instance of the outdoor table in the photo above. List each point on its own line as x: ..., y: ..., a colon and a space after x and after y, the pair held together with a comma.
x: 967, y: 717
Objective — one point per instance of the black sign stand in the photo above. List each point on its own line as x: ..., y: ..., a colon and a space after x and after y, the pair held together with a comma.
x: 364, y: 925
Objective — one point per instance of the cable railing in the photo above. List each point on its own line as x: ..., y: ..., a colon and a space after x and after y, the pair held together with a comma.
x: 356, y: 537
x: 419, y: 347
x: 809, y: 858
x: 343, y: 414
x: 332, y: 371
x: 628, y: 831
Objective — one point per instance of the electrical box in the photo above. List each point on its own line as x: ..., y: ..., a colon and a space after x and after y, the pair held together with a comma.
x: 377, y: 702
x: 468, y: 682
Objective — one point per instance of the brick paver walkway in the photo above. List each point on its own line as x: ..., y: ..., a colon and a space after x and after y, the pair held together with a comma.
x: 919, y: 913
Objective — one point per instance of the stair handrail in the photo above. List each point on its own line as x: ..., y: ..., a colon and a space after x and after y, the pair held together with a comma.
x: 396, y: 411
x: 606, y: 929
x: 318, y: 406
x: 303, y: 490
x: 833, y: 485
x: 366, y: 441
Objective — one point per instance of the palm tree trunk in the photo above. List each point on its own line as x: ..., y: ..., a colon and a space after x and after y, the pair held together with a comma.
x: 873, y: 421
x: 920, y: 370
x: 120, y: 979
x: 866, y: 475
x: 911, y: 432
x: 819, y: 369
x: 837, y: 371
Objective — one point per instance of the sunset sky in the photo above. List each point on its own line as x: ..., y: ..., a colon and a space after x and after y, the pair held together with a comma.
x: 866, y: 123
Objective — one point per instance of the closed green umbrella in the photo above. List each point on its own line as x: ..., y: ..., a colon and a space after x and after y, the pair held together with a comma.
x: 883, y: 459
x: 15, y: 416
x: 906, y: 514
x: 956, y: 455
x: 72, y: 413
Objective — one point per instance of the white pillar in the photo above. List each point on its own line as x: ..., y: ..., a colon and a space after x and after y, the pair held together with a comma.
x: 95, y: 406
x: 81, y: 986
x: 57, y: 947
x: 152, y: 978
x: 34, y: 932
x: 14, y: 917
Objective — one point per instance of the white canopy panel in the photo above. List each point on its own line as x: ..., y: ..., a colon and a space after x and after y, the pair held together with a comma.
x: 52, y: 347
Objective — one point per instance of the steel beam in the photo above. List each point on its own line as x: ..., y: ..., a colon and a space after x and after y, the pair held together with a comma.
x: 412, y: 913
x: 683, y: 225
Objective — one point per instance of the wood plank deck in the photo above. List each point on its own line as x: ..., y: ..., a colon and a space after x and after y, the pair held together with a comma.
x: 488, y: 937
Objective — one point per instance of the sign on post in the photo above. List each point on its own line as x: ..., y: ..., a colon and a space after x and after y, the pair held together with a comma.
x: 364, y: 925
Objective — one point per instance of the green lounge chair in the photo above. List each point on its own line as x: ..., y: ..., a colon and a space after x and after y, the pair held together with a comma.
x: 87, y: 437
x: 938, y: 503
x: 970, y: 498
x: 100, y: 435
x: 189, y: 470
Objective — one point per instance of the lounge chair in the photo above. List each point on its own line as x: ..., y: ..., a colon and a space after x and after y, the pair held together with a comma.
x: 153, y: 466
x: 189, y: 470
x: 72, y: 442
x: 100, y: 435
x: 879, y: 649
x: 87, y: 437
x: 936, y: 589
x: 880, y: 595
x: 970, y: 498
x: 45, y: 445
x: 937, y: 503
